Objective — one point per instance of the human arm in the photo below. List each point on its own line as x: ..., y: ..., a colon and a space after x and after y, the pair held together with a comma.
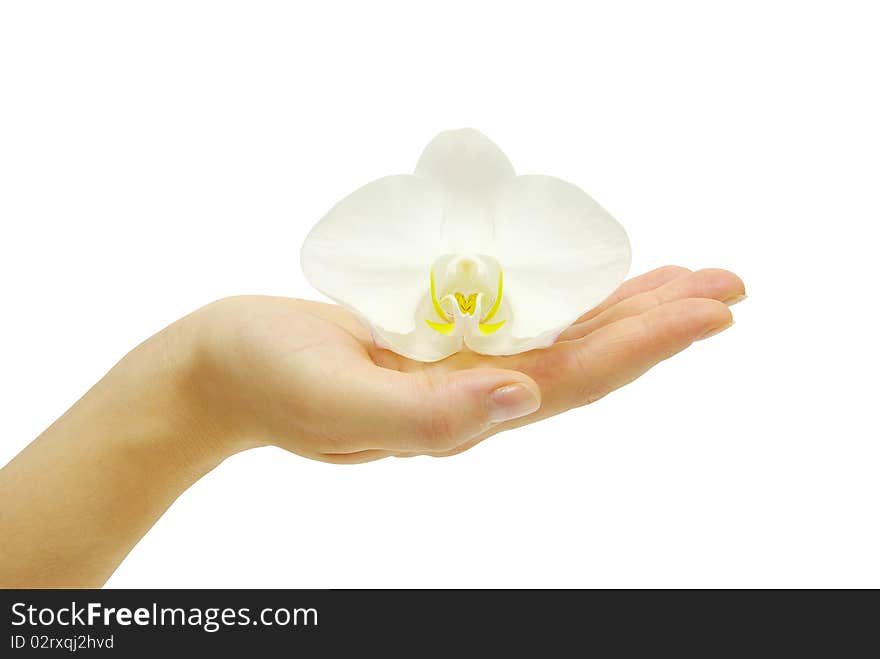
x: 252, y: 371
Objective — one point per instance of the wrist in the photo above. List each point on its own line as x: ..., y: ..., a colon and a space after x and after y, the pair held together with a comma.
x: 214, y: 380
x: 160, y: 388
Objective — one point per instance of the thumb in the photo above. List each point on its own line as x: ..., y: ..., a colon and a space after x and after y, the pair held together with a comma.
x: 438, y: 411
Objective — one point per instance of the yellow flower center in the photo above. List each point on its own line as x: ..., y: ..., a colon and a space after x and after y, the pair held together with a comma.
x: 468, y: 305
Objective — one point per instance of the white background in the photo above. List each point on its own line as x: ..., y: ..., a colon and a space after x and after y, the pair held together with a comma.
x: 155, y: 156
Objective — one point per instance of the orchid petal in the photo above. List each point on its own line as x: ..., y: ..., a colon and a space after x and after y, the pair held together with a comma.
x: 372, y: 251
x: 561, y: 252
x: 469, y: 169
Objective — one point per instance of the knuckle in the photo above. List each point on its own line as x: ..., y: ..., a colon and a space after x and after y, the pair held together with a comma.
x: 581, y: 382
x: 641, y: 337
x: 438, y: 429
x: 436, y: 423
x: 549, y: 365
x: 590, y: 387
x: 591, y: 395
x: 652, y: 300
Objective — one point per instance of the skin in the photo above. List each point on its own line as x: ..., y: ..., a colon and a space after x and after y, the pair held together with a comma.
x: 252, y: 371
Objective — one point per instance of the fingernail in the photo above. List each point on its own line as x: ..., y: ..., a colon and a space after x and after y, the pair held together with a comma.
x: 512, y: 402
x: 735, y: 300
x: 713, y: 332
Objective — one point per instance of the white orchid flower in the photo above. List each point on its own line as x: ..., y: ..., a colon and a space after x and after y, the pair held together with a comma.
x: 466, y: 253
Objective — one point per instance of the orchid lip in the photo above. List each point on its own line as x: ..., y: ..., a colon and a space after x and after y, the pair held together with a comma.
x: 462, y: 307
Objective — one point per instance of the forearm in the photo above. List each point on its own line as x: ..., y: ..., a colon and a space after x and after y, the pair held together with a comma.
x: 78, y: 498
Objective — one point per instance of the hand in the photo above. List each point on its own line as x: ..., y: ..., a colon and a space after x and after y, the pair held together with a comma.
x: 307, y: 377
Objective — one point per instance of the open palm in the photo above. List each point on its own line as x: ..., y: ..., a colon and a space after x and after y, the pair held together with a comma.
x: 308, y: 377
